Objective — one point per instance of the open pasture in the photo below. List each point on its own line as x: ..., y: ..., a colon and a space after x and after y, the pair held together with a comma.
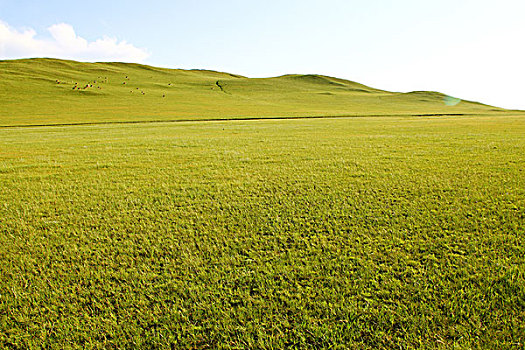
x: 51, y: 91
x: 345, y: 233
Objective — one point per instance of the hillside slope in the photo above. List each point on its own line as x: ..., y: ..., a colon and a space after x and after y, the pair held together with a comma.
x: 51, y: 91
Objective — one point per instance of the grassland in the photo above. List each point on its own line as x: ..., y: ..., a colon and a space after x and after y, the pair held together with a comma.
x: 50, y: 91
x: 364, y: 233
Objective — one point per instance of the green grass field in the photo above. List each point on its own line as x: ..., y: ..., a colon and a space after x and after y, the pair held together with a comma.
x: 364, y: 233
x: 50, y: 91
x: 397, y: 222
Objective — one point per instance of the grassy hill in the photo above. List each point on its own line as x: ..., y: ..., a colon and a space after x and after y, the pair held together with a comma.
x: 51, y: 91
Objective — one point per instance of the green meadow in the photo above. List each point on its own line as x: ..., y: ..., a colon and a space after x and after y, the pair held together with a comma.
x: 50, y: 91
x: 371, y: 232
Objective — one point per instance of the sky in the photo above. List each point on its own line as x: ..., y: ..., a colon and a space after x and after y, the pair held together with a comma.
x: 471, y: 49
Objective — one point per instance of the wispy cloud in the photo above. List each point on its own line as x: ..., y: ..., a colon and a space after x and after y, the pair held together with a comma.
x: 65, y: 43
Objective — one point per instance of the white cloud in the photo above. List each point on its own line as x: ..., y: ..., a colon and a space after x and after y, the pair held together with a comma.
x: 65, y: 43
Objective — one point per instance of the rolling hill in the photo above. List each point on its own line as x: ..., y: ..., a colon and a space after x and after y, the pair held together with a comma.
x: 50, y: 91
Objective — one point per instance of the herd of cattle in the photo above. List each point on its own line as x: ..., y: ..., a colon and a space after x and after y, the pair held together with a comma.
x: 89, y: 85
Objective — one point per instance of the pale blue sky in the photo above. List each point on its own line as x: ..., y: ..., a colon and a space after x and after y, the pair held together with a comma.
x: 470, y: 49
